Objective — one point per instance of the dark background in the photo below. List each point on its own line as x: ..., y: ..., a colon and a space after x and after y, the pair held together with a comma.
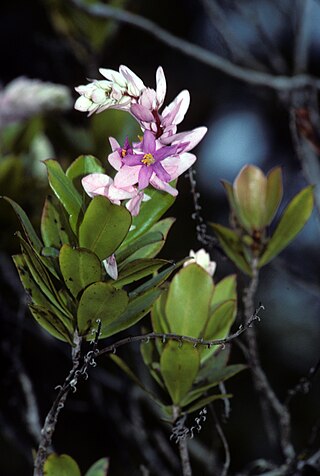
x: 247, y: 124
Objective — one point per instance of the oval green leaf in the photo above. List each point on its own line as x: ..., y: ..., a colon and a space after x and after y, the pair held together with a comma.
x: 104, y: 227
x: 100, y: 301
x: 62, y: 465
x: 99, y: 468
x: 188, y: 301
x: 79, y: 268
x: 291, y: 223
x: 179, y: 367
x: 274, y: 193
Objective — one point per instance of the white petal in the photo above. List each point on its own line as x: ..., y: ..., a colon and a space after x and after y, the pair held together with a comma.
x: 176, y: 166
x: 160, y: 185
x: 113, y: 76
x: 184, y: 99
x: 83, y: 104
x: 127, y: 176
x: 161, y: 86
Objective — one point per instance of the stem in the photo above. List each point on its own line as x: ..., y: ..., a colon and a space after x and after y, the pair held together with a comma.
x: 52, y: 417
x: 183, y: 447
x: 268, y: 398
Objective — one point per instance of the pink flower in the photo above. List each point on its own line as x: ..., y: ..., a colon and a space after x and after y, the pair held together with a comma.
x: 151, y: 163
x: 102, y: 184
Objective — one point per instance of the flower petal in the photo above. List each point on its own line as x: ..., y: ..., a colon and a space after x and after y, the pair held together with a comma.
x: 144, y: 176
x: 133, y: 205
x: 141, y: 113
x: 96, y: 184
x: 164, y: 186
x: 191, y: 137
x: 161, y: 86
x: 115, y: 160
x: 161, y: 172
x: 176, y: 166
x: 184, y: 99
x: 149, y: 143
x: 111, y: 267
x: 114, y: 144
x: 127, y: 176
x: 83, y: 104
x: 135, y: 84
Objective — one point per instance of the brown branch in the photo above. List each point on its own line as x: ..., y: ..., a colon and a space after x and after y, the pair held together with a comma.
x: 257, y: 78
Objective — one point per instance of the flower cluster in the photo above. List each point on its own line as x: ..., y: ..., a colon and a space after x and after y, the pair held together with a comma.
x: 160, y: 156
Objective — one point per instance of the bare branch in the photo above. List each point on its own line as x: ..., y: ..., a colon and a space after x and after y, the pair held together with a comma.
x: 180, y: 338
x: 224, y: 441
x: 304, y: 8
x: 279, y: 83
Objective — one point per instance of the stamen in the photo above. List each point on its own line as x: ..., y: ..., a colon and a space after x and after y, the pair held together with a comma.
x: 123, y: 153
x: 148, y: 159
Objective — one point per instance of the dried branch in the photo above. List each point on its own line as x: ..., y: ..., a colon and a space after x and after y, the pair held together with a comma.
x: 183, y: 446
x: 304, y: 384
x: 302, y: 35
x: 180, y: 338
x: 257, y: 78
x: 224, y: 441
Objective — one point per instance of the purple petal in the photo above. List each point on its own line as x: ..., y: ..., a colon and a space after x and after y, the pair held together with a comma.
x: 165, y: 152
x: 144, y: 176
x: 149, y: 143
x: 161, y: 172
x: 133, y: 205
x: 134, y: 159
x: 176, y: 166
x: 161, y: 86
x: 141, y: 113
x: 183, y: 99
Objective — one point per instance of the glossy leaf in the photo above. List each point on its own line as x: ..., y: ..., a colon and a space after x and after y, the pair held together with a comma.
x: 42, y: 278
x: 232, y: 246
x: 150, y: 212
x: 55, y: 227
x: 127, y: 254
x: 274, y: 193
x: 153, y: 249
x: 188, y: 302
x: 84, y: 165
x: 79, y: 268
x: 100, y: 301
x: 158, y: 279
x: 65, y: 191
x: 45, y: 311
x: 158, y: 315
x: 28, y: 229
x: 138, y: 269
x: 179, y: 367
x: 99, y: 468
x: 224, y: 290
x: 104, y: 227
x: 62, y: 465
x: 291, y: 223
x: 223, y: 375
x: 135, y: 311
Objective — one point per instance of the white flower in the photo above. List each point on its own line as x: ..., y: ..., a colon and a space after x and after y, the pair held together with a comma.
x: 202, y: 258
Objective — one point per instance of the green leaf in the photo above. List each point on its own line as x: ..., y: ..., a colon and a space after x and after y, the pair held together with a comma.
x: 44, y: 311
x: 62, y: 465
x: 152, y: 249
x: 224, y: 290
x: 150, y: 212
x: 274, y: 193
x: 99, y: 468
x: 157, y: 280
x: 159, y: 319
x: 104, y: 227
x: 205, y: 401
x: 100, y: 301
x: 138, y: 269
x: 79, y: 268
x: 55, y: 226
x: 127, y: 254
x: 217, y: 362
x: 179, y: 367
x: 232, y: 246
x: 135, y: 311
x: 188, y: 302
x: 30, y: 233
x: 291, y: 222
x: 65, y: 191
x: 223, y: 375
x: 84, y: 165
x: 43, y: 280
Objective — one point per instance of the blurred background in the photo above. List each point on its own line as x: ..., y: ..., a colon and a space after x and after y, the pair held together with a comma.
x: 51, y: 46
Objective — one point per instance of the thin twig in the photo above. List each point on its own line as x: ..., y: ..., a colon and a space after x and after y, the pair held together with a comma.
x: 70, y: 383
x: 180, y: 338
x: 267, y: 395
x: 183, y: 446
x: 224, y: 441
x: 257, y: 78
x: 302, y: 36
x: 304, y: 384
